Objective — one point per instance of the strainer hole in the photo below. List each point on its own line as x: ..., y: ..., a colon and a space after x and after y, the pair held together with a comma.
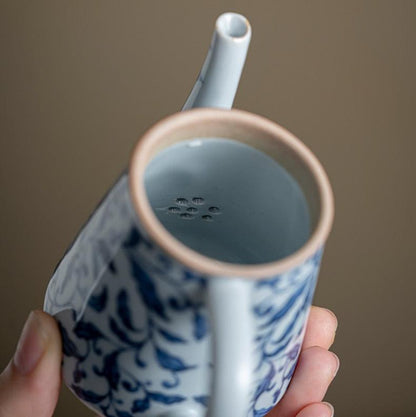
x: 174, y: 209
x: 214, y: 210
x: 181, y: 201
x: 198, y: 201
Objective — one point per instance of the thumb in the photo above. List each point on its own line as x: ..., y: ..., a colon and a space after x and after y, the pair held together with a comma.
x: 29, y: 386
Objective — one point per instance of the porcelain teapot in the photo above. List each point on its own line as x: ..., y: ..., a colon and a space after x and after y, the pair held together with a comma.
x: 187, y: 291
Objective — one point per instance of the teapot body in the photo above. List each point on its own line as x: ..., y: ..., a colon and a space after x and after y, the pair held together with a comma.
x: 135, y: 323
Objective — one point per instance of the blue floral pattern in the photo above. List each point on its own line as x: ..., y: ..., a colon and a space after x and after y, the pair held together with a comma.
x: 281, y: 309
x: 131, y: 325
x: 135, y: 328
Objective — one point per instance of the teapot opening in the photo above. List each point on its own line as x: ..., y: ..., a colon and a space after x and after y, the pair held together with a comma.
x: 236, y: 201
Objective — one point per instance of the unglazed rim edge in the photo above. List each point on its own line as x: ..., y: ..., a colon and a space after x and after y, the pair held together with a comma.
x: 143, y: 152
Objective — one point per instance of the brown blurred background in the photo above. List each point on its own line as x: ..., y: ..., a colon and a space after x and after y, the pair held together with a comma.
x: 81, y: 80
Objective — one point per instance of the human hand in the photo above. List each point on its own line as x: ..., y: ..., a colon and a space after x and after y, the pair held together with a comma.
x: 29, y: 386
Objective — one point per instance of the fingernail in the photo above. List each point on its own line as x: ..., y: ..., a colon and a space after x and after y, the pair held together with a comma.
x: 337, y: 364
x: 332, y: 314
x: 335, y: 318
x: 31, y: 345
x: 331, y: 408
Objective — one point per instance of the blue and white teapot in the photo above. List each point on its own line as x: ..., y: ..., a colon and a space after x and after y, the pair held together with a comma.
x: 187, y: 291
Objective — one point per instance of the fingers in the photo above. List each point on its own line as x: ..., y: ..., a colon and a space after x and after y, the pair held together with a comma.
x: 321, y: 328
x: 29, y: 386
x: 315, y: 371
x: 317, y: 410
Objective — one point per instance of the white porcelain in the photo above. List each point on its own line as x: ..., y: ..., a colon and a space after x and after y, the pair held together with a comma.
x: 218, y: 79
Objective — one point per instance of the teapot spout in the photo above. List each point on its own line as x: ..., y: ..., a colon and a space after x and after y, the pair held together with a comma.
x: 218, y: 80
